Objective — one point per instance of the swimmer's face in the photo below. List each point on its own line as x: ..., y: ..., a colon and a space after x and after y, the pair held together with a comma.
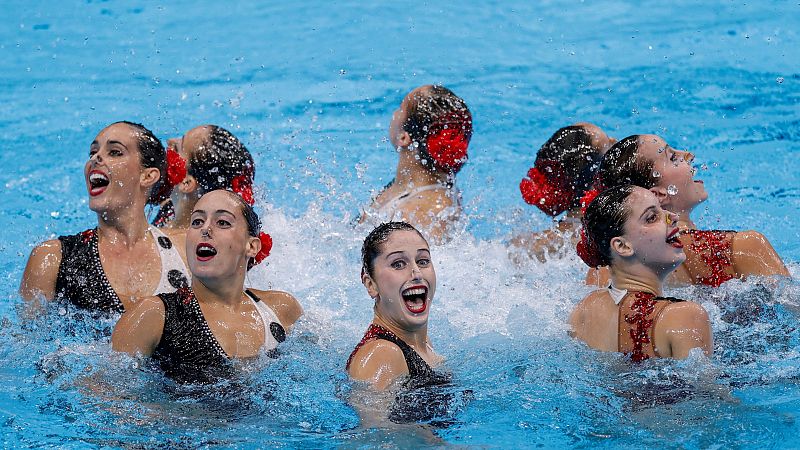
x: 403, y: 281
x: 397, y: 135
x: 218, y: 244
x: 114, y: 173
x: 651, y: 234
x: 680, y: 192
x: 600, y: 140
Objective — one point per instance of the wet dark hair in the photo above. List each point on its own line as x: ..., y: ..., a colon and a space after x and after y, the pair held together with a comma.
x: 569, y: 159
x: 434, y: 110
x: 604, y: 220
x: 151, y: 154
x: 221, y: 159
x: 373, y: 243
x: 622, y: 165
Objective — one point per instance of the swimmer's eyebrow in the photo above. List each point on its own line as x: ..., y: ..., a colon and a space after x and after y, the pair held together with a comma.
x: 653, y: 207
x: 118, y: 142
x: 424, y: 250
x: 219, y: 211
x: 390, y: 254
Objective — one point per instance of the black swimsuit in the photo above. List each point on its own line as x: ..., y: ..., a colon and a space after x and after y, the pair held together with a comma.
x: 188, y: 351
x: 82, y: 281
x: 422, y: 399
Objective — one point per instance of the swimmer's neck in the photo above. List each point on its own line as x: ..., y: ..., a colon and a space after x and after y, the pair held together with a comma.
x: 183, y: 206
x: 410, y: 171
x: 638, y: 279
x: 126, y: 229
x: 220, y: 291
x: 418, y: 339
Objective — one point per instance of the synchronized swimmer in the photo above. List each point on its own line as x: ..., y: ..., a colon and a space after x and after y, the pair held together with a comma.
x: 625, y: 206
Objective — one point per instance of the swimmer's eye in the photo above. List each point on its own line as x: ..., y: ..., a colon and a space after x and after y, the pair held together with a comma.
x: 115, y: 152
x: 673, y: 157
x: 197, y: 223
x: 398, y: 264
x: 222, y: 223
x: 424, y: 262
x: 651, y: 218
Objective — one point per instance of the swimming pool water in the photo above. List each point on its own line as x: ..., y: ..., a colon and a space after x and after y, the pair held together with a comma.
x: 310, y: 89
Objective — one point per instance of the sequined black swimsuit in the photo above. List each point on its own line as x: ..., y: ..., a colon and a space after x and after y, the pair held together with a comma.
x: 188, y: 351
x: 82, y: 281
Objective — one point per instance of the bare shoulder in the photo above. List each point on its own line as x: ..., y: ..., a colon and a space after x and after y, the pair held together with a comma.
x: 284, y: 304
x: 754, y: 255
x: 140, y: 328
x: 684, y: 312
x: 598, y: 298
x: 41, y: 270
x: 378, y: 361
x: 748, y: 240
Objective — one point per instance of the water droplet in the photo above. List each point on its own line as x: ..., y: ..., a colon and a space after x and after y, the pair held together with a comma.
x: 656, y: 174
x: 779, y: 80
x: 672, y: 189
x: 661, y: 149
x: 62, y: 311
x: 342, y: 72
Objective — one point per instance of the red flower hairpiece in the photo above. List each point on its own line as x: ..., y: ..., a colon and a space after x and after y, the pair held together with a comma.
x: 448, y: 140
x: 588, y: 251
x: 587, y: 198
x: 176, y: 168
x: 243, y: 185
x: 266, y: 247
x: 548, y: 192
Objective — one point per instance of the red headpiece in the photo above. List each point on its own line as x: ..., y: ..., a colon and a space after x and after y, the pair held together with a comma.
x: 448, y: 139
x: 243, y: 185
x: 546, y: 188
x: 587, y: 198
x: 266, y: 247
x: 176, y: 168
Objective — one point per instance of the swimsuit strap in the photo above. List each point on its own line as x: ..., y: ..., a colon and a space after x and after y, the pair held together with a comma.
x: 274, y: 332
x: 713, y: 248
x: 416, y: 365
x: 174, y: 274
x: 638, y: 313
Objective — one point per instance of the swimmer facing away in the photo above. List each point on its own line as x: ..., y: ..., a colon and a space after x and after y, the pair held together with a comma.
x: 398, y: 274
x: 626, y: 229
x: 712, y: 256
x: 431, y: 131
x: 105, y: 268
x: 197, y: 331
x: 206, y: 158
x: 563, y: 172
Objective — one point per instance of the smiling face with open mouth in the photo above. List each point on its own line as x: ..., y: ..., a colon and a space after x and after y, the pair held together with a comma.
x: 404, y: 281
x: 218, y: 243
x: 653, y: 232
x: 114, y: 168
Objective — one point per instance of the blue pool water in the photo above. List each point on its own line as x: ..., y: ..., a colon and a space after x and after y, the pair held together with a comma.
x: 310, y: 89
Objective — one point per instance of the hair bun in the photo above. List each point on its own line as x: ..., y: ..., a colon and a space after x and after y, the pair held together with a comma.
x: 448, y: 140
x: 547, y: 192
x: 588, y: 251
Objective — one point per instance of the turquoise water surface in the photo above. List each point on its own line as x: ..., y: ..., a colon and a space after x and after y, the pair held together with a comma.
x: 310, y: 88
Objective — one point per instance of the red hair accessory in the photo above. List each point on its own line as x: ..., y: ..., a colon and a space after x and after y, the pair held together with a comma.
x: 588, y: 251
x: 587, y: 198
x: 448, y: 140
x: 552, y: 197
x: 176, y: 168
x: 266, y: 247
x: 243, y: 185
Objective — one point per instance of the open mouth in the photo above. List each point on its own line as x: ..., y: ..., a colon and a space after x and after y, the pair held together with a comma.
x: 415, y: 299
x: 205, y: 252
x: 98, y: 182
x: 673, y: 238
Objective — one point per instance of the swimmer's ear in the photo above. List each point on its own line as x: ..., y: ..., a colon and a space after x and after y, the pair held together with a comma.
x: 253, y: 246
x: 188, y: 185
x: 661, y: 195
x: 403, y: 139
x: 621, y: 246
x: 149, y: 176
x: 369, y: 283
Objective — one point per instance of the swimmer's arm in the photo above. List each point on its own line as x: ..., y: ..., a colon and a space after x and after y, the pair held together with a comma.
x: 285, y: 306
x: 754, y: 255
x: 39, y: 278
x: 378, y: 362
x: 139, y: 330
x: 424, y: 214
x: 685, y: 326
x: 576, y: 320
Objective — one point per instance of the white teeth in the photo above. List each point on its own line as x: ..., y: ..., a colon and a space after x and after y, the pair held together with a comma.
x: 97, y: 177
x: 415, y: 291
